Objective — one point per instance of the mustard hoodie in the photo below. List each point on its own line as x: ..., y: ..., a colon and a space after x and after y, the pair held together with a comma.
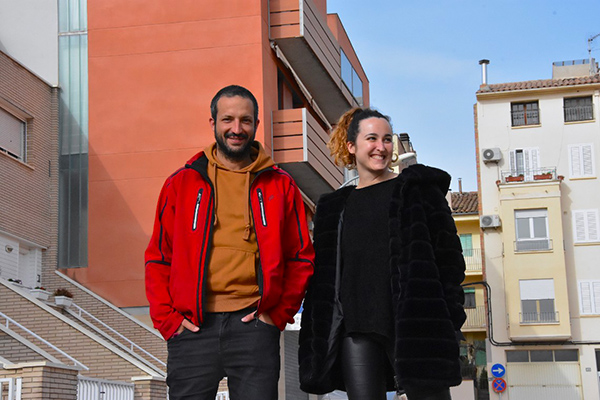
x: 232, y: 283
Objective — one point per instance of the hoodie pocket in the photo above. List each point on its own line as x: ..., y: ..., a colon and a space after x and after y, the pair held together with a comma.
x: 197, y: 209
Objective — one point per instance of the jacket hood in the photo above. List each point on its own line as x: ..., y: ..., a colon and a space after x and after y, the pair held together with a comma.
x: 260, y: 159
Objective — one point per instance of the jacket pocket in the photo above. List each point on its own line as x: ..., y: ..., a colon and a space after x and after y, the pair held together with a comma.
x: 197, y: 209
x: 261, y: 203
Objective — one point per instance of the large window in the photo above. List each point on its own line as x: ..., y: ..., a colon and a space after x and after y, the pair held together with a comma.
x: 466, y: 241
x: 537, y: 301
x: 581, y: 160
x: 589, y: 297
x: 525, y: 113
x: 469, y: 298
x: 585, y: 226
x: 73, y: 127
x: 351, y: 79
x: 579, y: 109
x: 13, y: 135
x: 532, y: 230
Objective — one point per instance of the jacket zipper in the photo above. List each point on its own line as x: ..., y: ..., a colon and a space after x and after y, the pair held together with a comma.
x: 195, y: 222
x: 261, y: 203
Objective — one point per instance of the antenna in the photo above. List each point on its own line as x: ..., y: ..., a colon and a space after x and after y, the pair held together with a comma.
x: 593, y: 70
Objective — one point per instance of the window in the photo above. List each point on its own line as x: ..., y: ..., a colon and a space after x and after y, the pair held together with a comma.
x: 351, y: 79
x: 589, y: 297
x: 469, y: 298
x: 542, y: 355
x: 537, y: 301
x: 585, y: 226
x: 12, y: 135
x: 466, y: 241
x: 525, y: 113
x: 578, y: 109
x: 525, y: 162
x: 532, y: 230
x: 581, y: 160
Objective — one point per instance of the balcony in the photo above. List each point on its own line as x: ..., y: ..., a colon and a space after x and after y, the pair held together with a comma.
x: 550, y: 317
x: 472, y: 261
x: 475, y: 319
x: 300, y: 148
x: 302, y: 35
x: 528, y: 245
x: 530, y: 175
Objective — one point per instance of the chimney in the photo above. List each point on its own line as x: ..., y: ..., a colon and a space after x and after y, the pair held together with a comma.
x: 484, y: 63
x: 459, y: 185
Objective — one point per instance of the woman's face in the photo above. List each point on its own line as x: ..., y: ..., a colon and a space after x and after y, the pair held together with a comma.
x: 373, y: 147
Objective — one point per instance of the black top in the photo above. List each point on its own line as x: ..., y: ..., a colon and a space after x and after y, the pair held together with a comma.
x: 366, y: 294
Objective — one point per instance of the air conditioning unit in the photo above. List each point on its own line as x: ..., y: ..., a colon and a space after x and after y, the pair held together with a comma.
x: 491, y: 155
x: 489, y: 221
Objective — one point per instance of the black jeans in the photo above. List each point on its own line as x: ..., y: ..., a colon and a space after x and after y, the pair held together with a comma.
x: 247, y: 353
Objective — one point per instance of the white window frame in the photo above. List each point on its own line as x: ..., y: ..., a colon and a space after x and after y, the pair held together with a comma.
x: 581, y: 160
x: 536, y: 290
x: 586, y: 224
x: 589, y: 297
x: 530, y: 214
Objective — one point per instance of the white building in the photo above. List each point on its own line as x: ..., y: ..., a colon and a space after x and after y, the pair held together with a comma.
x: 537, y: 144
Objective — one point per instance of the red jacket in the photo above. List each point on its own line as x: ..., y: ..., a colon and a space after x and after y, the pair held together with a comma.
x: 179, y: 250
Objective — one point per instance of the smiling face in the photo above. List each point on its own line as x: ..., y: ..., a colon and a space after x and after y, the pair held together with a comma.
x: 234, y: 127
x: 373, y: 147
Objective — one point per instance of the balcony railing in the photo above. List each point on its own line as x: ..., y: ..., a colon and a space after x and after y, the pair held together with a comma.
x: 533, y: 245
x: 473, y: 260
x: 549, y: 317
x: 530, y: 175
x: 475, y: 318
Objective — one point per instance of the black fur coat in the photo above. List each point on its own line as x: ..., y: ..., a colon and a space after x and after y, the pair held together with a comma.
x: 427, y: 269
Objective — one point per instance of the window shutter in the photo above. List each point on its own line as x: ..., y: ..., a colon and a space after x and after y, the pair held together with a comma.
x: 11, y: 133
x: 585, y: 297
x: 587, y: 158
x: 575, y: 161
x: 592, y: 224
x: 513, y: 163
x: 579, y: 226
x: 596, y: 295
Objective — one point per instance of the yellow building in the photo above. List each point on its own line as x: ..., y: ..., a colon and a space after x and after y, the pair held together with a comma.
x: 537, y: 142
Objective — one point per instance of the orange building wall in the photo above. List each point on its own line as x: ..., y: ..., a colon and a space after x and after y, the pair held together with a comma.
x: 153, y: 68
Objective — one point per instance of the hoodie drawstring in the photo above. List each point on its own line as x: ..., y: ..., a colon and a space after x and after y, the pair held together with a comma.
x: 246, y: 235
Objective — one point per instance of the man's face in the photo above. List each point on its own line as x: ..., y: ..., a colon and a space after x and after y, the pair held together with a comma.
x: 234, y: 127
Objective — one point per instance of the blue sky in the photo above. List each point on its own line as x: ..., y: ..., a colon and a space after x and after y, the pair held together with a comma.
x: 422, y: 61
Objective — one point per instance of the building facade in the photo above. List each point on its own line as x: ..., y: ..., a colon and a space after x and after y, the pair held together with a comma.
x: 537, y: 142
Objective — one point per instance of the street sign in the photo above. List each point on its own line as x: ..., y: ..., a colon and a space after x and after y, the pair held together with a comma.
x: 499, y: 385
x: 498, y: 370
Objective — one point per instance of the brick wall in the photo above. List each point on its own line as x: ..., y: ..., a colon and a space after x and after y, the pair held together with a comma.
x: 30, y: 198
x: 150, y: 342
x: 150, y: 389
x: 44, y: 382
x: 102, y: 362
x: 16, y: 352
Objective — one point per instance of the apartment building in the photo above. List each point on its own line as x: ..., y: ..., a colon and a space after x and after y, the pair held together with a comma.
x: 132, y: 82
x: 537, y: 142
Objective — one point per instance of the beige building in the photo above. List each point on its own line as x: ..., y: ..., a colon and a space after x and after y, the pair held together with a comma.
x: 537, y: 142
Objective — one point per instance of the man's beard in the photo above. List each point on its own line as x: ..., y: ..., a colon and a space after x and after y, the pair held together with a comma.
x: 233, y: 154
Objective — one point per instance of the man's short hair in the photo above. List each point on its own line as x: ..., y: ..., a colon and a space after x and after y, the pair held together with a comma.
x: 231, y: 91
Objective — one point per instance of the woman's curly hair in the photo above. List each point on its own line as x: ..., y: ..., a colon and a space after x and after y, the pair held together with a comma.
x: 346, y: 131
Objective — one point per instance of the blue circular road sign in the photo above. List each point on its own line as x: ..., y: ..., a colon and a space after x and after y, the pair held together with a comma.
x: 498, y: 370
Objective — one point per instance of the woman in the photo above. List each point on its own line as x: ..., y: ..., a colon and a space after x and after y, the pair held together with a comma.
x: 360, y: 333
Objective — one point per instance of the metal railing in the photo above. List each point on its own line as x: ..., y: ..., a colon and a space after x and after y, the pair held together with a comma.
x: 10, y: 388
x: 530, y: 175
x: 100, y: 389
x: 473, y: 261
x: 532, y: 245
x: 44, y: 341
x: 80, y: 312
x: 539, y: 317
x: 579, y: 113
x: 475, y: 318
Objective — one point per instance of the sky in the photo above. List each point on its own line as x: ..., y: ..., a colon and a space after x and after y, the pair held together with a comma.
x: 422, y: 61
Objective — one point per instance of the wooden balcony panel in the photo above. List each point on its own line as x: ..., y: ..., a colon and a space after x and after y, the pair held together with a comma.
x: 279, y: 19
x: 323, y: 43
x: 288, y: 142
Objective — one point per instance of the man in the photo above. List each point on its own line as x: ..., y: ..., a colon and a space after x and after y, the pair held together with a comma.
x: 229, y: 260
